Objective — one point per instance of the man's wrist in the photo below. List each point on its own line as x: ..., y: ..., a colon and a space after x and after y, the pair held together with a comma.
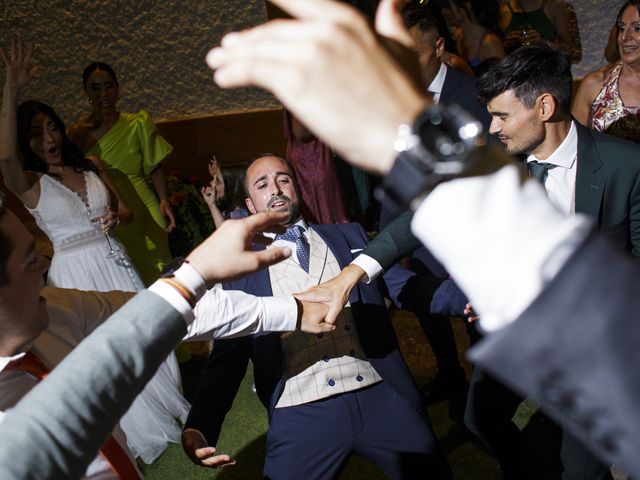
x: 436, y: 147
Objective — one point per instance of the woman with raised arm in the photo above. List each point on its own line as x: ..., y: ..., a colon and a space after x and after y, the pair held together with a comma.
x: 132, y: 149
x: 225, y: 193
x: 69, y: 199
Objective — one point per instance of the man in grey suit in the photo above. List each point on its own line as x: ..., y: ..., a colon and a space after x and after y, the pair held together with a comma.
x: 125, y: 344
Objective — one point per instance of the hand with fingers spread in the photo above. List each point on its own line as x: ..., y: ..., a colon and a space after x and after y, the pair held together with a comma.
x: 331, y: 70
x: 335, y: 292
x: 200, y: 453
x: 19, y: 70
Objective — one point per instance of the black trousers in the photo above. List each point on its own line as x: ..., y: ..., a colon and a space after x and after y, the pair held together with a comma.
x: 490, y: 408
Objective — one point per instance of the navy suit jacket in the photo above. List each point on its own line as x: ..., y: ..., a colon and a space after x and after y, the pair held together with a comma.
x: 227, y: 364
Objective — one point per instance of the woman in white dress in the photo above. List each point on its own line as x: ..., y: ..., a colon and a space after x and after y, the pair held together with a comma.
x: 74, y: 202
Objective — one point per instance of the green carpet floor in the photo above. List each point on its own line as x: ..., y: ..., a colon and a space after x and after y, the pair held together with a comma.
x: 244, y: 428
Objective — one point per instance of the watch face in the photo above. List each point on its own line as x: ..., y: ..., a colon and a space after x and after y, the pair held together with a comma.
x: 448, y: 133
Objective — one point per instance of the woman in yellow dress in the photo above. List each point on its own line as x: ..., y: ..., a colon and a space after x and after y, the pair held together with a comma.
x: 131, y: 147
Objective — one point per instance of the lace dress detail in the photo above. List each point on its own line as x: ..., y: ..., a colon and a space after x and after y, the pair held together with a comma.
x: 609, y: 114
x: 80, y: 247
x: 81, y: 260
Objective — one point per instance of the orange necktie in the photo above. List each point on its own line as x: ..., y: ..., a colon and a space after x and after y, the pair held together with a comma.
x: 112, y: 452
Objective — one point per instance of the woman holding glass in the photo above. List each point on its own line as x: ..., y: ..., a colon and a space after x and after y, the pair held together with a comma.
x: 71, y: 199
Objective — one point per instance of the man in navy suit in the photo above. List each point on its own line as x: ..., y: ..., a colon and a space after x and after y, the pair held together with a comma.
x: 328, y: 396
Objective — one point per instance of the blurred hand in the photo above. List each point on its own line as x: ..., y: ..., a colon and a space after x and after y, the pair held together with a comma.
x: 213, y: 167
x: 209, y: 194
x: 313, y: 317
x: 167, y: 211
x: 125, y: 215
x: 199, y: 452
x: 227, y: 253
x: 107, y: 222
x: 470, y: 313
x: 334, y: 293
x: 332, y: 72
x: 18, y: 70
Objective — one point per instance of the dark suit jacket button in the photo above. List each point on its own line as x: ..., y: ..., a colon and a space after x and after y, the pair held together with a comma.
x: 332, y: 382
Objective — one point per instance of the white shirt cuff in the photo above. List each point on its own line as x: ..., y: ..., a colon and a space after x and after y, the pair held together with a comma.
x: 372, y: 268
x: 517, y: 240
x: 190, y: 279
x: 177, y: 301
x: 281, y: 314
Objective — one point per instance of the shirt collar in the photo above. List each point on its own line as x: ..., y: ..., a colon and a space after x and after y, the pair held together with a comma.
x: 4, y: 361
x: 437, y: 83
x: 300, y: 222
x: 565, y: 155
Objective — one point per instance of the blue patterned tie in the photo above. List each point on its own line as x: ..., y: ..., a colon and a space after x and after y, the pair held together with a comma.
x: 295, y: 234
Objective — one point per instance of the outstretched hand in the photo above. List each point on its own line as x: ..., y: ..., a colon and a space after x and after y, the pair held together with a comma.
x: 227, y: 254
x: 332, y: 72
x: 200, y: 453
x: 19, y: 72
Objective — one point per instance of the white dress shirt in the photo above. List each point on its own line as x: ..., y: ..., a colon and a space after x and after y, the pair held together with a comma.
x: 560, y: 183
x: 520, y: 240
x: 435, y: 87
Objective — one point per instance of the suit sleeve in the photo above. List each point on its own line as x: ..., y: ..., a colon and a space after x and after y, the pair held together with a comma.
x: 634, y: 217
x: 62, y: 428
x: 575, y: 351
x: 219, y: 384
x: 394, y: 242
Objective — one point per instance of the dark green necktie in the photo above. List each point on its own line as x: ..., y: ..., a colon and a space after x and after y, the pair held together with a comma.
x: 539, y: 170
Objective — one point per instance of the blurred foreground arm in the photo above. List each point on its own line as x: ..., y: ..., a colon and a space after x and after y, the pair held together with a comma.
x: 56, y: 430
x: 332, y: 72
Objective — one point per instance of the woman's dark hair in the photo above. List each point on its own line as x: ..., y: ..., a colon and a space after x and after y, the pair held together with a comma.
x: 428, y: 17
x: 486, y: 12
x: 234, y: 194
x: 71, y: 155
x: 92, y: 67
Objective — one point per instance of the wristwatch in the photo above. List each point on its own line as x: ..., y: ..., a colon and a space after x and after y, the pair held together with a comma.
x: 436, y: 148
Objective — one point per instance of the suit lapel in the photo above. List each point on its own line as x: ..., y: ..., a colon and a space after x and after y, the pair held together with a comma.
x: 589, y: 183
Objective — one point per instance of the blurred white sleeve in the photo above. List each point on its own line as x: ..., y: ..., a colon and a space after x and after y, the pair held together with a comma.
x: 501, y: 240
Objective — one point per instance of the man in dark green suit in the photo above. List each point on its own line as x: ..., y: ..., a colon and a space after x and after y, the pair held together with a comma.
x: 528, y: 95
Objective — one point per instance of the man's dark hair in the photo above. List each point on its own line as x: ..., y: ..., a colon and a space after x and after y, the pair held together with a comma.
x: 428, y: 19
x: 5, y: 247
x: 530, y: 71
